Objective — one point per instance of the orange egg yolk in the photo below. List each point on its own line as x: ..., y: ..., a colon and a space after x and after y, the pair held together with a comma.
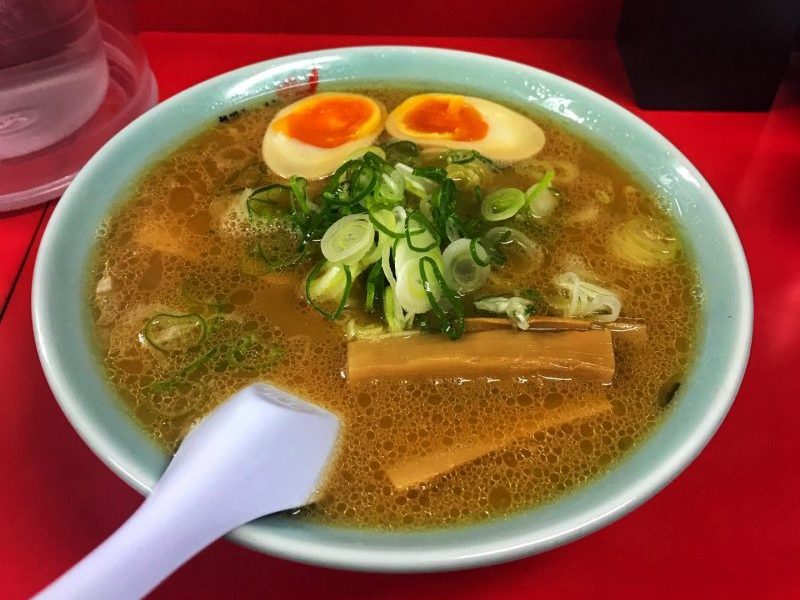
x: 328, y: 122
x: 449, y: 117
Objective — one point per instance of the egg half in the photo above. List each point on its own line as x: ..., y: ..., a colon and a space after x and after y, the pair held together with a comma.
x: 313, y: 136
x: 466, y: 122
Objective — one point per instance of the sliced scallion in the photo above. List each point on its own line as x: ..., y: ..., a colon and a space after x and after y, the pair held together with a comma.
x: 251, y: 353
x: 205, y: 303
x: 384, y: 221
x: 411, y: 291
x: 363, y: 182
x: 403, y: 151
x: 351, y: 183
x: 313, y: 296
x: 502, y: 204
x: 541, y: 198
x: 460, y: 157
x: 436, y: 174
x: 299, y: 187
x: 461, y: 272
x: 175, y: 333
x: 453, y: 325
x: 269, y: 202
x: 375, y: 284
x: 390, y: 190
x: 469, y: 175
x: 348, y: 239
x: 390, y: 311
x: 424, y: 226
x: 497, y: 237
x: 419, y: 186
x: 479, y: 253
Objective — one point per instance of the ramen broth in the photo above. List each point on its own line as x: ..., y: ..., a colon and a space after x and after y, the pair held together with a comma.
x: 178, y: 248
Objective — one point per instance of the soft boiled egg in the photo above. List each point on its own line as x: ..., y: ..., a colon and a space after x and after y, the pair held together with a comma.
x: 313, y: 136
x: 454, y: 121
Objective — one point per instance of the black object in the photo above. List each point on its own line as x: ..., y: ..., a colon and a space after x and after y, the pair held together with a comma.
x: 707, y: 54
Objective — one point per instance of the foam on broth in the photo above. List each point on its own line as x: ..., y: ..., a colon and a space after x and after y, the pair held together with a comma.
x: 184, y: 198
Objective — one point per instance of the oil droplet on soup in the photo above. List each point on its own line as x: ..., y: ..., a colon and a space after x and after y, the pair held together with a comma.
x: 175, y: 248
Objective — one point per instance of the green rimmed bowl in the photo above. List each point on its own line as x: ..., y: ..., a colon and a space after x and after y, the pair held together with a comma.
x: 61, y: 320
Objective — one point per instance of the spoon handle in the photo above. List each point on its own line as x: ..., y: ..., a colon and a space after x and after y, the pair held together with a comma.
x: 159, y: 537
x: 261, y: 452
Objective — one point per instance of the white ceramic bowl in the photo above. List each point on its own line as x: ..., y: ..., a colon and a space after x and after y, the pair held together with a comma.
x: 65, y: 347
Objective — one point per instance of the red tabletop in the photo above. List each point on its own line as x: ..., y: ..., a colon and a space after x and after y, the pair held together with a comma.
x: 728, y: 527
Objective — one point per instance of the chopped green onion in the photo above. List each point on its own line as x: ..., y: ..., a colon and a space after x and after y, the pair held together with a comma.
x: 269, y: 201
x: 443, y: 201
x: 493, y: 246
x: 642, y: 242
x: 410, y: 291
x: 502, y: 204
x: 179, y: 379
x: 370, y: 257
x: 390, y: 191
x: 436, y: 174
x: 401, y: 152
x: 482, y: 258
x: 321, y: 292
x: 540, y: 197
x: 175, y: 333
x: 453, y: 327
x: 363, y: 182
x: 389, y: 311
x: 503, y: 236
x: 421, y: 187
x: 383, y: 220
x: 375, y: 283
x: 426, y: 227
x: 198, y: 362
x: 468, y: 176
x: 348, y: 239
x: 351, y: 183
x: 299, y: 187
x: 460, y: 157
x: 452, y: 230
x: 386, y: 264
x: 377, y: 160
x: 194, y: 299
x: 251, y: 353
x: 461, y: 272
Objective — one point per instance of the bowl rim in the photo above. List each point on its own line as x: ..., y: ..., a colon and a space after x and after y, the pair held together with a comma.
x: 107, y: 448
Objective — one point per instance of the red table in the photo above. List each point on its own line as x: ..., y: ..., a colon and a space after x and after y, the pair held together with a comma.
x: 728, y: 527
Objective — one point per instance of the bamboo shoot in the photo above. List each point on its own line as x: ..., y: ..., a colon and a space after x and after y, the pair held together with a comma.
x: 424, y: 468
x: 580, y: 355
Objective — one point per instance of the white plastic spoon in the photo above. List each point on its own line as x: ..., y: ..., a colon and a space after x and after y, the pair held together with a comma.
x: 261, y: 452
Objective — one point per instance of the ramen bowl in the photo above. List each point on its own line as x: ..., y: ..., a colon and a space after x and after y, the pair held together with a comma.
x: 65, y: 344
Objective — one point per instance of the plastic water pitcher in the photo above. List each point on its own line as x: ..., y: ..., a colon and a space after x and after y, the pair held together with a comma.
x: 72, y: 73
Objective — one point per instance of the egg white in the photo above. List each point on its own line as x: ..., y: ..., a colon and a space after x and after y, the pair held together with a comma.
x: 510, y: 136
x: 287, y: 156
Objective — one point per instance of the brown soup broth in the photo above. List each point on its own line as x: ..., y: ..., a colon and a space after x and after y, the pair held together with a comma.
x: 173, y: 247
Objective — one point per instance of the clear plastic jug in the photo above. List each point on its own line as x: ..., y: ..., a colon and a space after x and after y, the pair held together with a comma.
x: 72, y: 73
